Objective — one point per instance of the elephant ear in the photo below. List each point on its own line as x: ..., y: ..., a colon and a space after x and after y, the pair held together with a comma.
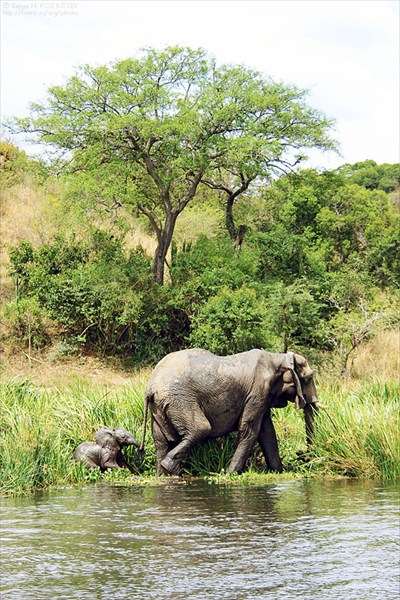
x: 290, y: 364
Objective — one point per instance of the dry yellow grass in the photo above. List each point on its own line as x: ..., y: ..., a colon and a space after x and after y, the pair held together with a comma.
x: 379, y: 358
x: 44, y: 372
x: 24, y: 215
x: 34, y: 214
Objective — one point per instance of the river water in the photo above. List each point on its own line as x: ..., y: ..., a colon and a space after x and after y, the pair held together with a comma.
x: 297, y: 539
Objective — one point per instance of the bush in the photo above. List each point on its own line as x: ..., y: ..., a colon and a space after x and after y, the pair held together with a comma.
x: 16, y: 167
x: 294, y: 315
x: 102, y: 298
x: 231, y: 321
x: 27, y: 323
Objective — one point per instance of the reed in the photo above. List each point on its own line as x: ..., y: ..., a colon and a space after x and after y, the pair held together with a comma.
x: 358, y: 435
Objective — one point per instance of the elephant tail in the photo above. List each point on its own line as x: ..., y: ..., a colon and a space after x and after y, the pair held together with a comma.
x: 147, y: 400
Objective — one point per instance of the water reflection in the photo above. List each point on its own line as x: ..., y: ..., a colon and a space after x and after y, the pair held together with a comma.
x: 287, y: 540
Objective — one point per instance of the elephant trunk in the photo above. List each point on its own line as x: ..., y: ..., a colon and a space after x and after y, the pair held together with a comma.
x: 309, y: 410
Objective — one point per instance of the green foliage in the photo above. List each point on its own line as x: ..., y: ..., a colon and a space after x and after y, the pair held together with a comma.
x: 294, y: 315
x: 231, y: 321
x: 101, y: 297
x: 16, y: 167
x: 326, y: 217
x: 199, y: 271
x: 13, y: 164
x: 298, y: 281
x: 372, y: 176
x: 285, y: 256
x: 30, y: 326
x: 382, y: 258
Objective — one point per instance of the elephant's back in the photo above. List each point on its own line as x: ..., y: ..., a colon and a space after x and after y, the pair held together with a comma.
x: 186, y: 363
x: 174, y: 366
x: 83, y: 450
x: 194, y: 372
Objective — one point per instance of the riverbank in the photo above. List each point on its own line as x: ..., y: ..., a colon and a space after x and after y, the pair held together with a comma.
x: 42, y: 421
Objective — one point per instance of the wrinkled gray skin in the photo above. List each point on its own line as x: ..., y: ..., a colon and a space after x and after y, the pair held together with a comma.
x: 194, y: 395
x: 106, y: 452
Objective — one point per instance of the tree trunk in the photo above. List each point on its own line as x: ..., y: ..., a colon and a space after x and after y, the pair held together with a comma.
x: 285, y: 342
x: 230, y: 225
x: 164, y: 233
x: 240, y: 236
x: 159, y: 265
x: 164, y: 242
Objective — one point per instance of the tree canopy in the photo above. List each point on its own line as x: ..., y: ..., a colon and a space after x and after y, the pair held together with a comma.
x: 150, y: 130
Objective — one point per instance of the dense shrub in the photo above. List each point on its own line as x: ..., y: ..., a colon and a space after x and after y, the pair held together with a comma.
x: 28, y: 324
x: 102, y: 298
x: 16, y: 167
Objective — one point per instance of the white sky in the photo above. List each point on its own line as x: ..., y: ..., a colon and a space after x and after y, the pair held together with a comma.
x: 345, y: 52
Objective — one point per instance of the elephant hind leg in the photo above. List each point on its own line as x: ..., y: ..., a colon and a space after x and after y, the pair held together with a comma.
x: 198, y: 429
x: 162, y: 447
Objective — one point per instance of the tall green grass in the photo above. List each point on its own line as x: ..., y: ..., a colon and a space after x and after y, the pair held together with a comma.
x: 358, y: 435
x: 39, y: 429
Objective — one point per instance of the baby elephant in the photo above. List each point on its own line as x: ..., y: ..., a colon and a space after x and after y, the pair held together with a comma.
x: 106, y: 452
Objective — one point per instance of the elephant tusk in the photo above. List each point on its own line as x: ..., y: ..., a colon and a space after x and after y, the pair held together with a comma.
x: 319, y: 405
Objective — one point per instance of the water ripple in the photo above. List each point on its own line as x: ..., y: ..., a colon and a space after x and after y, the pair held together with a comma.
x: 291, y: 540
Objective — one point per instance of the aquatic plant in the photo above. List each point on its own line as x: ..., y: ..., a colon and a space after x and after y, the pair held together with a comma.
x: 359, y: 434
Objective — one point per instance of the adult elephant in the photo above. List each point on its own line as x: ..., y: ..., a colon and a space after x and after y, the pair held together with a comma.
x: 194, y: 395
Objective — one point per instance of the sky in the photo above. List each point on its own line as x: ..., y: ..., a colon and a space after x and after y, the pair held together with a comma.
x: 345, y: 52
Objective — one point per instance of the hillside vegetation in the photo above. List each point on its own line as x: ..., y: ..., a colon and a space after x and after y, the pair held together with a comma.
x: 317, y: 271
x: 83, y: 320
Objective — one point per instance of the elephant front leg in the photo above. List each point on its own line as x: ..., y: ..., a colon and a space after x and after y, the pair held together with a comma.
x: 269, y: 444
x: 241, y: 456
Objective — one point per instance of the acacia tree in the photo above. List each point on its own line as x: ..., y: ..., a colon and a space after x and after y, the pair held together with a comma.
x: 171, y: 119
